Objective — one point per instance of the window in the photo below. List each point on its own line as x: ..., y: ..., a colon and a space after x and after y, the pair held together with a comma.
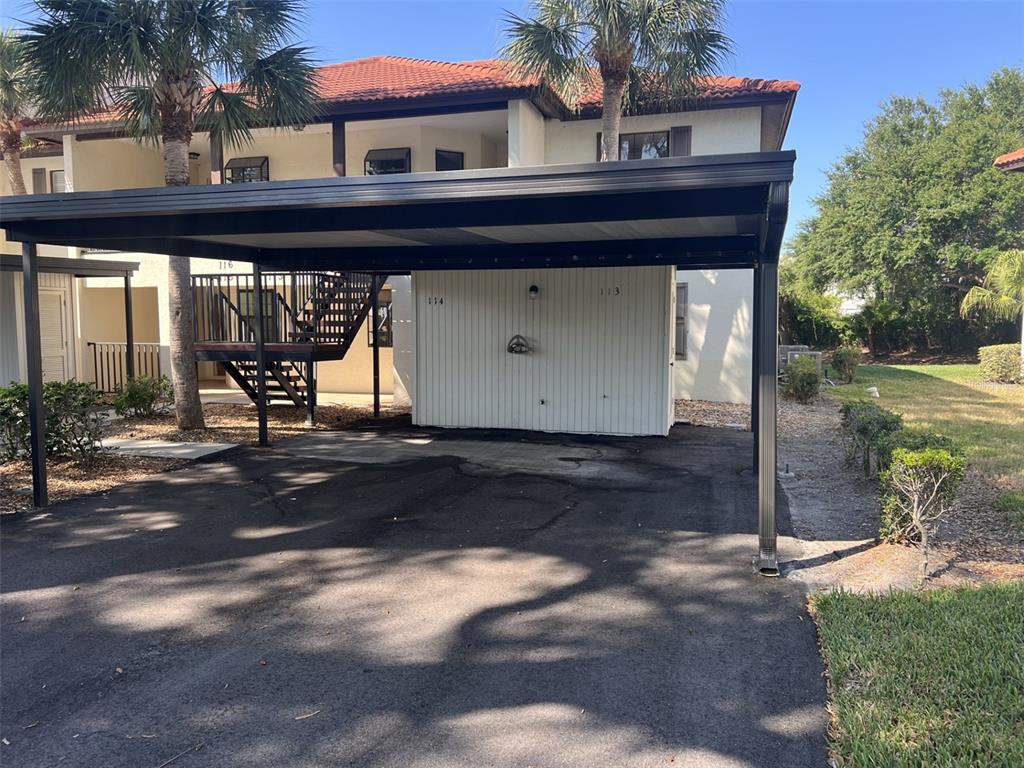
x: 57, y: 181
x: 653, y: 144
x: 243, y: 170
x: 38, y: 181
x: 448, y: 160
x: 385, y: 323
x: 382, y: 161
x: 681, y: 307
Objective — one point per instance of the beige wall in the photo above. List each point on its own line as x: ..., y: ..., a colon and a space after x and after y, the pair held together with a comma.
x: 354, y: 374
x: 292, y: 154
x: 481, y: 149
x: 719, y: 337
x: 714, y: 131
x: 104, y: 164
x: 101, y: 318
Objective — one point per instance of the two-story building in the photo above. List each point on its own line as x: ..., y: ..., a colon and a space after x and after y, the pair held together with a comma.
x: 393, y: 115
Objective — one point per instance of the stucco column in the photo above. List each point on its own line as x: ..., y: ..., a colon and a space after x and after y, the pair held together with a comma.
x: 525, y: 134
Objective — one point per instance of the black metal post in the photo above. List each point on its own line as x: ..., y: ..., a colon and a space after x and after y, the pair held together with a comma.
x: 261, y: 363
x: 216, y: 160
x: 375, y: 313
x: 34, y: 364
x: 310, y: 393
x: 755, y: 363
x: 766, y: 340
x: 129, y: 330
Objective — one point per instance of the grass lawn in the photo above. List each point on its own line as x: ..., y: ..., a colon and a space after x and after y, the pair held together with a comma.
x: 987, y: 419
x: 932, y: 678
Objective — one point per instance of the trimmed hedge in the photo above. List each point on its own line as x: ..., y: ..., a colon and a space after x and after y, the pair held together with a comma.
x: 1001, y: 362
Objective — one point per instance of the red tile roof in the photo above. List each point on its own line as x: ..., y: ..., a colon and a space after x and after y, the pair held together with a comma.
x: 1011, y: 161
x: 390, y: 78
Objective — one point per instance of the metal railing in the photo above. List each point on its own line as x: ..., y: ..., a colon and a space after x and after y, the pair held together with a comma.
x: 315, y: 307
x: 110, y: 363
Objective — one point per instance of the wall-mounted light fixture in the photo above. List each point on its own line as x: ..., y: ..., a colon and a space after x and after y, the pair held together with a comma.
x: 193, y: 156
x: 533, y: 292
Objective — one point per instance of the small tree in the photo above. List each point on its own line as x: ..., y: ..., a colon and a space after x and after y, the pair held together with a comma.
x: 161, y: 64
x: 920, y: 487
x: 14, y: 104
x: 641, y: 50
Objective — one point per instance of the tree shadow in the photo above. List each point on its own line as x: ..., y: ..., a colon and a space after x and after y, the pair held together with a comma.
x: 428, y: 612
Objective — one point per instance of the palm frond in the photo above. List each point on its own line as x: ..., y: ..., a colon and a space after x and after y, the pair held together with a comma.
x: 1001, y: 295
x: 549, y: 46
x: 281, y: 87
x: 15, y: 90
x: 140, y: 112
x: 228, y: 116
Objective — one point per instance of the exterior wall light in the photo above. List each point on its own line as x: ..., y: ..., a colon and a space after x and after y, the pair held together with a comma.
x: 533, y: 292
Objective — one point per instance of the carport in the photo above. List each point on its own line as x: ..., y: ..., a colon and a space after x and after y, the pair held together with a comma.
x: 707, y: 212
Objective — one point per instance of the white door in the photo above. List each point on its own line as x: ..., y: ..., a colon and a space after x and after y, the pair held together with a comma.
x: 53, y: 335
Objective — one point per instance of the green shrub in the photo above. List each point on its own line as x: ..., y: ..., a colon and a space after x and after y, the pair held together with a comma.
x: 73, y: 419
x: 1001, y: 362
x: 845, y: 360
x: 863, y: 426
x: 912, y: 440
x: 14, y: 424
x: 810, y: 318
x: 918, y: 488
x: 143, y: 396
x: 802, y: 380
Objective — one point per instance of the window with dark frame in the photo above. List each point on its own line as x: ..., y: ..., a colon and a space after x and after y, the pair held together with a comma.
x: 379, y: 162
x: 385, y: 323
x: 245, y: 170
x: 57, y: 182
x: 682, y: 291
x: 449, y: 160
x: 650, y: 145
x: 38, y: 181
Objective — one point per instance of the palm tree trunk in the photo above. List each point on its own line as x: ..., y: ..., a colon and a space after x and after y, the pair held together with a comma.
x: 611, y: 117
x: 188, y: 409
x: 12, y: 159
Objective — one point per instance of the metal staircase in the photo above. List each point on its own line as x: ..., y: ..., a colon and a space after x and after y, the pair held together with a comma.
x: 307, y: 317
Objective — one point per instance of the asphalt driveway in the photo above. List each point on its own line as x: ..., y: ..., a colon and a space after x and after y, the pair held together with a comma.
x: 412, y: 598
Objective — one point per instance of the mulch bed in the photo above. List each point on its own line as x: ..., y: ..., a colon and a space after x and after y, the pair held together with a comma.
x: 231, y: 423
x: 68, y: 479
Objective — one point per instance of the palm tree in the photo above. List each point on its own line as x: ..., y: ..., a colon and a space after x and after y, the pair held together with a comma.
x: 14, y: 103
x: 642, y: 51
x: 1001, y: 295
x: 160, y: 65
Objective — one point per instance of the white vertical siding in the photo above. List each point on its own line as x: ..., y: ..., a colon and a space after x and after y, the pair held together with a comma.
x: 600, y: 349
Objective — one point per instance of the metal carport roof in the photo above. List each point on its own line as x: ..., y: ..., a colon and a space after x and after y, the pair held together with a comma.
x: 712, y: 211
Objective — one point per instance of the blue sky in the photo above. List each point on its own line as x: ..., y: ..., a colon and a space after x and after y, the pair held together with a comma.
x: 849, y: 56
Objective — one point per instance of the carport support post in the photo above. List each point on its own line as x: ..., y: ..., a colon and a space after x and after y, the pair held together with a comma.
x: 34, y: 364
x: 375, y: 336
x: 766, y: 340
x: 261, y: 362
x: 755, y: 364
x: 129, y: 330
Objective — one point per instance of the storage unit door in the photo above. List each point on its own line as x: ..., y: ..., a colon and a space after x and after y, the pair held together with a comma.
x: 557, y: 350
x: 52, y: 335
